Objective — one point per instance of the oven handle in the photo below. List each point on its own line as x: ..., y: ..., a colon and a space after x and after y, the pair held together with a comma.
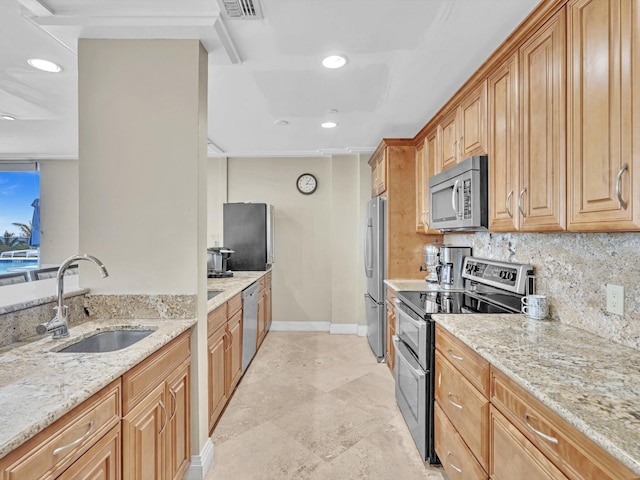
x: 400, y: 313
x: 408, y: 358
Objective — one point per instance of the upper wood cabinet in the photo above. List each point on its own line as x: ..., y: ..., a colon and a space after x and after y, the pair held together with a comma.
x: 503, y: 146
x: 603, y: 115
x: 462, y: 131
x: 426, y: 155
x: 378, y: 163
x: 542, y: 186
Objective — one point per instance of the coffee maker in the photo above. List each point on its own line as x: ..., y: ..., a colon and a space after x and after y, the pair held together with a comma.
x: 444, y: 265
x: 217, y: 262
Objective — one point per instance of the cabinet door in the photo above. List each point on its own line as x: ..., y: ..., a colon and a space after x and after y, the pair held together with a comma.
x: 262, y: 319
x: 472, y: 124
x: 143, y: 437
x: 603, y: 143
x: 101, y: 462
x: 268, y: 307
x: 178, y: 431
x: 503, y: 147
x: 542, y: 114
x: 217, y: 345
x: 382, y: 173
x: 448, y: 141
x: 513, y: 456
x: 421, y: 185
x: 389, y: 348
x: 234, y: 353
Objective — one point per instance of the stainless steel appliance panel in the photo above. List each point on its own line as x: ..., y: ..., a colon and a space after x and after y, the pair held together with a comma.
x: 411, y: 394
x: 249, y: 323
x: 414, y: 332
x: 374, y: 248
x: 375, y: 313
x: 248, y: 230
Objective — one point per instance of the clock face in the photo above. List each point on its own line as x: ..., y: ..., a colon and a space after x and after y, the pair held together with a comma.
x: 307, y: 183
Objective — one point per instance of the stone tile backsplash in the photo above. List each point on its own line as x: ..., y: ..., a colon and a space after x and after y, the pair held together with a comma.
x: 572, y: 269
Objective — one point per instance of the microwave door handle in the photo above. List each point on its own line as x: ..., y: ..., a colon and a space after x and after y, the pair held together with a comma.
x: 454, y: 197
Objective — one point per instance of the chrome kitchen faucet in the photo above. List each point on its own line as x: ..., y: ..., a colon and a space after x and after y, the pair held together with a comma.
x: 58, y: 325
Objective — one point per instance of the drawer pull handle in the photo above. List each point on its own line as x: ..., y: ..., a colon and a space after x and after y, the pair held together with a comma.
x: 78, y: 441
x: 455, y: 357
x: 522, y: 192
x: 457, y: 405
x: 164, y: 413
x: 623, y: 204
x: 457, y: 469
x: 548, y: 438
x: 507, y: 204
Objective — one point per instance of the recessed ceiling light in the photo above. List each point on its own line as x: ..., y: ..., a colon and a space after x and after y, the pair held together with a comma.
x: 8, y: 117
x: 281, y: 123
x: 44, y: 65
x: 334, y: 61
x: 329, y: 125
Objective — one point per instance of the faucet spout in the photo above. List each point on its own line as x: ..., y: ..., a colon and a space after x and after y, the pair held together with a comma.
x: 59, y: 324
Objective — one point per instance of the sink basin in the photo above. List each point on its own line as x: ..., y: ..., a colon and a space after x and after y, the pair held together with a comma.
x: 213, y: 293
x: 107, y: 341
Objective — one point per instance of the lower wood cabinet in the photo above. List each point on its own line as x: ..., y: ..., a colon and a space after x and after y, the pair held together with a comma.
x: 217, y: 347
x: 156, y: 428
x: 100, y: 462
x: 390, y: 349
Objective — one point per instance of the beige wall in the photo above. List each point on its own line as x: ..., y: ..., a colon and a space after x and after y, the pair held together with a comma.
x: 143, y: 178
x: 216, y: 197
x: 317, y: 272
x: 59, y: 222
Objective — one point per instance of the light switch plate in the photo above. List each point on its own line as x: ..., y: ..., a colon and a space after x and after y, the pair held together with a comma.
x: 615, y: 299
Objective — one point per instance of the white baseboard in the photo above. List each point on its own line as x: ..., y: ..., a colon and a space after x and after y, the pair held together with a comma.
x: 300, y: 326
x: 200, y: 464
x: 344, y: 328
x: 362, y: 330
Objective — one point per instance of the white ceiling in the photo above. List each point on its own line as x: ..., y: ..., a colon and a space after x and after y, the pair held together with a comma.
x: 406, y: 58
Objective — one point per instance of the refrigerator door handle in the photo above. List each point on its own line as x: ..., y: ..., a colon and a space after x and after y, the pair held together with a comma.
x: 368, y: 265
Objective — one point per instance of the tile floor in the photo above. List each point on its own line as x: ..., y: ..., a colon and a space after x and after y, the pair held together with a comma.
x: 315, y: 406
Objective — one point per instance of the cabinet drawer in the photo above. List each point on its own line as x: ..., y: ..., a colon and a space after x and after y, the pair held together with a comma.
x: 262, y: 283
x: 51, y: 451
x: 216, y: 319
x: 456, y: 458
x: 102, y: 461
x: 513, y: 456
x: 234, y: 305
x: 473, y: 366
x: 466, y: 408
x: 391, y: 295
x: 571, y: 451
x: 138, y: 382
x: 268, y: 277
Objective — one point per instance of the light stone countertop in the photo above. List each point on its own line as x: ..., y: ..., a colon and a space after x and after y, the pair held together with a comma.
x: 31, y: 294
x: 38, y: 385
x: 230, y: 286
x: 591, y: 382
x: 400, y: 285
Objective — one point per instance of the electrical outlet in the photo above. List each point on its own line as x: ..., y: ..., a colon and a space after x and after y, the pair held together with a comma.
x: 615, y: 299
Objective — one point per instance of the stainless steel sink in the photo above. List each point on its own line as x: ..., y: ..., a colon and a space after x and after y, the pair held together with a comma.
x: 110, y: 341
x: 213, y: 293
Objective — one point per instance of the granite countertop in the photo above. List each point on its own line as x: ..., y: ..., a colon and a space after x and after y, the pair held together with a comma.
x: 231, y: 286
x: 591, y: 382
x: 38, y: 385
x: 400, y: 285
x: 31, y: 294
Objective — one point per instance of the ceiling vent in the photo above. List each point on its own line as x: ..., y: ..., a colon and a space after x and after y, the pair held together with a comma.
x: 241, y: 9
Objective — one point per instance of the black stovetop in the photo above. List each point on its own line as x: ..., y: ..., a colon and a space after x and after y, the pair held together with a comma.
x: 426, y: 303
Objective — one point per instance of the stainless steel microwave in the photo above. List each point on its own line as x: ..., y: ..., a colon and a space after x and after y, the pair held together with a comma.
x: 458, y: 199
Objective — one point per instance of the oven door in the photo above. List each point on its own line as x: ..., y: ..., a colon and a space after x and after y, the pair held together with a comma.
x: 414, y: 332
x: 411, y: 394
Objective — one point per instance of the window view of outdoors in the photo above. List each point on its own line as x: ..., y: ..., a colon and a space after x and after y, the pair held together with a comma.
x: 19, y: 221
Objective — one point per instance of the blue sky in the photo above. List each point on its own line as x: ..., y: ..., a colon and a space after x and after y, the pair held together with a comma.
x: 17, y: 191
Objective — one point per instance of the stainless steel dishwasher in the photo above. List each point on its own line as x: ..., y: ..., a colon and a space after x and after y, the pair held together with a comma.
x: 249, y: 323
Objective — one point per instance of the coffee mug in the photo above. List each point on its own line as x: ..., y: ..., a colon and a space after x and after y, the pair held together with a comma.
x: 535, y: 306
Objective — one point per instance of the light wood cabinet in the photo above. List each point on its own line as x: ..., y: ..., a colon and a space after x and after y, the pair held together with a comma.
x: 217, y: 347
x: 268, y: 301
x: 503, y: 146
x: 462, y: 131
x: 156, y: 427
x: 513, y: 456
x: 542, y: 186
x: 234, y: 351
x: 68, y: 442
x: 390, y: 349
x: 426, y: 158
x: 101, y: 462
x: 262, y: 312
x: 378, y: 163
x: 603, y: 115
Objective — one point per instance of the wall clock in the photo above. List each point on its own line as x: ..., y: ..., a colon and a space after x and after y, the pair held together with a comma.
x: 307, y: 183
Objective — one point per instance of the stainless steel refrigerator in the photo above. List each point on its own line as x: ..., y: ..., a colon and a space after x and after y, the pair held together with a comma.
x: 374, y: 268
x: 249, y: 232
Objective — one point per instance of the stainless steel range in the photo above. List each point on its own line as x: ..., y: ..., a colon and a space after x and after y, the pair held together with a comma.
x: 489, y: 287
